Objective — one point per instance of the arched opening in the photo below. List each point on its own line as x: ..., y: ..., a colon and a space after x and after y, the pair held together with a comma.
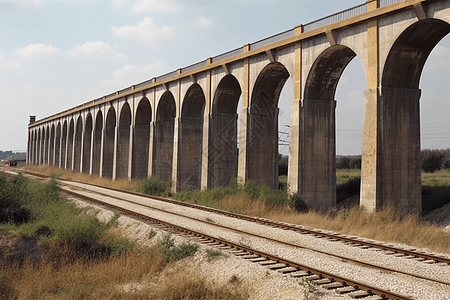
x: 123, y: 143
x: 87, y: 144
x: 58, y: 144
x: 97, y: 147
x: 163, y: 139
x: 399, y: 151
x: 191, y: 139
x: 319, y: 126
x: 70, y: 137
x: 52, y: 145
x: 262, y: 127
x: 222, y: 147
x: 141, y: 140
x: 108, y: 145
x: 64, y: 145
x: 78, y: 145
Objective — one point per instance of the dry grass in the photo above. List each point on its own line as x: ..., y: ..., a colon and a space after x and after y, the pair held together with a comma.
x: 140, y: 274
x: 123, y: 184
x: 382, y: 225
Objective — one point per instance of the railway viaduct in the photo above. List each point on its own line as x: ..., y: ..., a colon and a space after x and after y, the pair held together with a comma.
x: 183, y: 126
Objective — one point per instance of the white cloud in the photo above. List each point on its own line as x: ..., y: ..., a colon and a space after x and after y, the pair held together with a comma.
x: 144, y: 31
x: 203, y: 22
x: 97, y: 49
x: 130, y: 74
x: 19, y: 3
x: 8, y: 64
x: 146, y: 6
x: 36, y: 50
x: 438, y: 60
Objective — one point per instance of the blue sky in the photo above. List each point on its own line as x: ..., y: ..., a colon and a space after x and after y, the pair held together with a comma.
x: 55, y: 55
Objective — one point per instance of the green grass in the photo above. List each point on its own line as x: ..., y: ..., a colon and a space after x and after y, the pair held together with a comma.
x: 53, y: 216
x: 439, y: 178
x: 343, y: 176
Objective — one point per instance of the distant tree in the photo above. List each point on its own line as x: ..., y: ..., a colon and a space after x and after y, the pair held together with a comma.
x: 343, y: 162
x: 355, y: 163
x: 432, y: 160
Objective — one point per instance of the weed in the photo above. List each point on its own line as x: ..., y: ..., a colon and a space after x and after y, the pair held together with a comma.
x: 345, y: 213
x: 310, y: 287
x: 151, y: 234
x: 212, y: 254
x: 3, y: 277
x: 209, y: 220
x: 172, y: 252
x: 235, y: 279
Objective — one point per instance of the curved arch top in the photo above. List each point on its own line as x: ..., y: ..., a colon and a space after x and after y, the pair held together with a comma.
x: 410, y: 51
x: 326, y: 71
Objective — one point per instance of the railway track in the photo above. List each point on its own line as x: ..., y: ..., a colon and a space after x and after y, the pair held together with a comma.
x: 286, y: 266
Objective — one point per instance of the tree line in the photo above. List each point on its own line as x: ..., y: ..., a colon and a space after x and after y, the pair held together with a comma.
x: 431, y: 161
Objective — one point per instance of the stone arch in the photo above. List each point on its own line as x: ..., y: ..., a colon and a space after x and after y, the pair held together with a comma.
x: 319, y: 126
x: 87, y: 144
x: 141, y: 140
x: 326, y: 71
x: 64, y: 145
x: 77, y: 149
x: 97, y: 147
x: 164, y: 136
x: 191, y: 139
x: 70, y: 144
x: 223, y: 149
x: 58, y: 144
x: 410, y: 51
x: 52, y: 146
x: 262, y: 128
x: 399, y: 108
x: 108, y: 145
x: 123, y: 142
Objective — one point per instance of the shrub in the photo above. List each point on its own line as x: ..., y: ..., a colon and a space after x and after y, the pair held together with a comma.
x: 13, y: 213
x: 299, y: 203
x: 119, y: 246
x: 154, y: 186
x: 172, y: 252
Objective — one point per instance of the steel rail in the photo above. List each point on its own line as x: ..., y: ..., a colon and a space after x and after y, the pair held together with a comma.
x: 77, y: 194
x: 297, y: 228
x: 357, y: 285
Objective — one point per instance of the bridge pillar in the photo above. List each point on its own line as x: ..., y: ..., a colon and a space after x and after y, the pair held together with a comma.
x: 391, y: 176
x: 319, y: 154
x: 262, y: 143
x: 176, y: 139
x: 206, y: 139
x: 295, y: 151
x: 242, y: 150
x: 116, y: 147
x: 151, y: 141
x: 91, y: 152
x: 100, y: 154
x: 222, y: 149
x: 130, y: 152
x: 189, y: 156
